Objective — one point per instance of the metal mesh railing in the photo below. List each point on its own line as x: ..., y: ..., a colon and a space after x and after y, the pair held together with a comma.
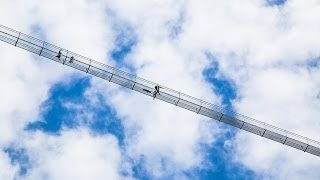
x: 146, y: 87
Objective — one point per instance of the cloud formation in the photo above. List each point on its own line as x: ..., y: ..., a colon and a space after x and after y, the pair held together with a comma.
x: 73, y: 155
x: 266, y: 49
x: 272, y: 55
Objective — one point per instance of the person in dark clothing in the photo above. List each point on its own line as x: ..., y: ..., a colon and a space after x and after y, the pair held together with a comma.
x: 59, y: 55
x: 157, y: 91
x: 71, y: 59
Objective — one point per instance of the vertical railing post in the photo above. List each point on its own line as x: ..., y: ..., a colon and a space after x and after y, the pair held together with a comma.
x: 111, y: 74
x: 89, y: 66
x: 263, y: 132
x: 242, y: 124
x: 221, y: 116
x: 286, y: 138
x: 135, y: 80
x: 41, y: 48
x: 17, y: 39
x: 178, y: 100
x: 200, y: 107
x: 307, y: 145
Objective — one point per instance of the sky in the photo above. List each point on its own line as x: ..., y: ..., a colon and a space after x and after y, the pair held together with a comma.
x: 257, y: 57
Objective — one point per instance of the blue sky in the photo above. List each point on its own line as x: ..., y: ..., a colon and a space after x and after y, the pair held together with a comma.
x: 55, y: 120
x: 276, y: 2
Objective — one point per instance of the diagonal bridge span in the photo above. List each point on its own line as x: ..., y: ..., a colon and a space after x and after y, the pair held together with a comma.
x: 111, y: 74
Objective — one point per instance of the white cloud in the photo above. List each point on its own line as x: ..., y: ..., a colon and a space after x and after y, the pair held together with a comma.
x: 75, y: 154
x: 20, y: 100
x: 7, y: 171
x: 80, y: 26
x: 288, y: 99
x: 167, y: 137
x: 160, y: 132
x: 26, y: 80
x: 267, y: 52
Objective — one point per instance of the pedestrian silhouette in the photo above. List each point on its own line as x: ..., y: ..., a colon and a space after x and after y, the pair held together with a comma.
x: 71, y: 59
x: 59, y: 55
x: 157, y: 91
